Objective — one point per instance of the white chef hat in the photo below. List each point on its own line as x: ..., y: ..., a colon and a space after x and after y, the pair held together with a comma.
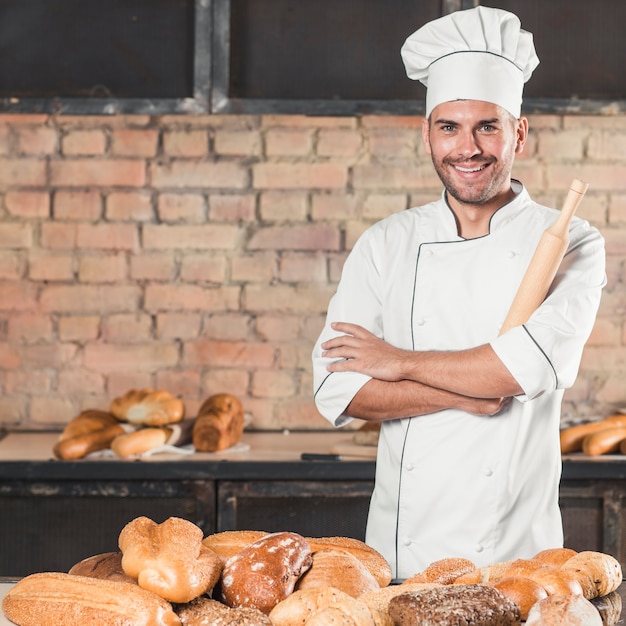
x: 474, y: 54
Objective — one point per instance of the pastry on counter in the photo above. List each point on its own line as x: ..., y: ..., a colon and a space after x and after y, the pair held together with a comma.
x: 219, y: 423
x: 148, y: 407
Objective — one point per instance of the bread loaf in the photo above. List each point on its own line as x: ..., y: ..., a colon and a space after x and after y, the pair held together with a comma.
x: 56, y: 599
x: 348, y: 612
x: 599, y: 574
x: 230, y: 542
x: 557, y: 581
x: 107, y: 566
x: 554, y: 556
x: 299, y: 606
x: 604, y: 441
x: 446, y: 571
x: 207, y: 612
x: 372, y: 559
x: 140, y: 441
x: 90, y: 431
x: 169, y: 558
x: 219, y: 424
x: 572, y: 438
x: 339, y: 569
x: 148, y: 407
x: 485, y: 575
x: 571, y: 610
x: 379, y: 600
x: 265, y: 572
x: 522, y: 567
x: 523, y: 591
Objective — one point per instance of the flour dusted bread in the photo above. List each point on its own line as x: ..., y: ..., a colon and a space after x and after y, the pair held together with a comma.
x: 56, y: 599
x: 219, y: 424
x: 451, y: 605
x: 148, y: 407
x: 169, y: 558
x: 572, y: 610
x: 372, y: 559
x: 339, y: 569
x: 265, y: 572
x: 207, y: 612
x: 90, y: 431
x: 106, y: 566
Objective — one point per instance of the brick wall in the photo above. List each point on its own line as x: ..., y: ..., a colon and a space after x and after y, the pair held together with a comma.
x: 198, y: 254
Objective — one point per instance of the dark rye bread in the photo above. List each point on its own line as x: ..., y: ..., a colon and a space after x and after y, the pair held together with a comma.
x: 455, y: 605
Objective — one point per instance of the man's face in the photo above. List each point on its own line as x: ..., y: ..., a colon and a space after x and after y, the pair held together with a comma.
x: 473, y: 145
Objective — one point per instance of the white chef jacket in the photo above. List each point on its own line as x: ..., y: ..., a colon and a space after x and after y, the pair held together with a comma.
x: 452, y: 484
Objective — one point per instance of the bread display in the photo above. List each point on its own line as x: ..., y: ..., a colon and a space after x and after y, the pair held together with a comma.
x: 90, y: 431
x: 207, y: 612
x: 107, y: 566
x: 265, y: 572
x: 372, y: 559
x: 219, y: 423
x: 451, y: 605
x: 169, y: 558
x: 57, y: 599
x: 148, y: 407
x: 339, y: 569
x: 572, y: 610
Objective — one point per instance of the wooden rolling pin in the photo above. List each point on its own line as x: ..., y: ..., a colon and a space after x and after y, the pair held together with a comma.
x: 545, y: 261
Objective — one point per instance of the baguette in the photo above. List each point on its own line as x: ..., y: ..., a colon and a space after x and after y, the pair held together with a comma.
x: 604, y: 441
x: 572, y: 437
x: 57, y: 599
x: 140, y: 441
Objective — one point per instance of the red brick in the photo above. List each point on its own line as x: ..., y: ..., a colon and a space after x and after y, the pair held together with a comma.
x: 238, y: 142
x: 36, y: 140
x: 256, y: 267
x: 135, y: 206
x: 12, y: 410
x: 339, y: 143
x: 300, y: 414
x: 334, y: 206
x: 52, y: 355
x: 181, y: 207
x: 226, y: 380
x: 18, y: 119
x: 203, y: 268
x: 159, y: 266
x: 9, y: 357
x: 232, y: 208
x: 228, y: 354
x: 600, y: 176
x: 277, y: 206
x: 306, y: 237
x: 17, y: 296
x: 278, y: 327
x: 52, y: 410
x: 118, y: 383
x: 58, y: 235
x: 134, y: 142
x: 79, y: 327
x: 84, y: 142
x: 28, y: 203
x: 79, y: 381
x: 15, y: 236
x: 78, y: 204
x: 570, y: 143
x: 199, y: 237
x: 606, y: 332
x: 102, y: 268
x: 394, y: 145
x: 201, y: 175
x: 312, y: 121
x: 299, y: 176
x: 22, y: 172
x: 51, y: 267
x: 88, y: 298
x: 180, y: 383
x: 381, y: 177
x: 178, y: 325
x: 11, y: 266
x: 98, y: 172
x: 30, y: 328
x: 379, y: 206
x: 185, y: 143
x: 190, y: 298
x: 29, y: 382
x: 227, y: 327
x: 287, y: 299
x: 127, y: 328
x: 139, y: 358
x: 107, y: 236
x: 272, y: 384
x: 303, y: 268
x: 289, y: 141
x: 392, y: 121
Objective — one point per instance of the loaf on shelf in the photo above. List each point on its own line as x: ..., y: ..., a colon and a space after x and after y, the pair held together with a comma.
x: 219, y: 423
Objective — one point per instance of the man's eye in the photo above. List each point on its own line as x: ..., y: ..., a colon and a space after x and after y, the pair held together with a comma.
x: 488, y: 128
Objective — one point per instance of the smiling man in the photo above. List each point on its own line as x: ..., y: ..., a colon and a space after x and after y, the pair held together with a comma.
x: 468, y: 458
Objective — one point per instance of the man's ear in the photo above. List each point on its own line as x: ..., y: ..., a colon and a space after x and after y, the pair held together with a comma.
x: 426, y: 134
x: 522, y: 134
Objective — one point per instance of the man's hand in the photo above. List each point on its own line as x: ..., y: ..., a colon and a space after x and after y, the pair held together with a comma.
x: 365, y: 353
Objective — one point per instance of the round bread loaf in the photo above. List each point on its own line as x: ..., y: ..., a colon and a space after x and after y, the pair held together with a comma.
x: 347, y: 612
x: 557, y: 581
x: 339, y: 569
x: 169, y: 559
x: 554, y: 556
x: 230, y: 542
x: 571, y: 610
x: 446, y: 571
x: 207, y: 612
x: 372, y: 559
x: 265, y: 572
x: 598, y: 573
x: 523, y: 591
x: 106, y: 566
x: 298, y: 607
x: 148, y: 407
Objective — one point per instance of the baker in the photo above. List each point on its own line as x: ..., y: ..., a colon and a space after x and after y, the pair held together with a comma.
x: 468, y: 458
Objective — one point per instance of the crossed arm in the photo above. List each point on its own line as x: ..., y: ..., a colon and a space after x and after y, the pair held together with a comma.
x: 406, y: 383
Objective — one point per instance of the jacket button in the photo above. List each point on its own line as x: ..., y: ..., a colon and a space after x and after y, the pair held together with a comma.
x: 479, y: 548
x: 409, y: 467
x: 488, y: 472
x: 406, y: 541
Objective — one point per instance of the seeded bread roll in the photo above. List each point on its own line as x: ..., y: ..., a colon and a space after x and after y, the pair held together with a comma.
x: 265, y: 572
x: 169, y: 558
x: 56, y: 599
x: 339, y: 569
x: 446, y: 571
x: 207, y: 612
x: 106, y: 566
x: 219, y: 424
x: 148, y: 407
x: 372, y: 559
x: 523, y: 591
x: 572, y: 610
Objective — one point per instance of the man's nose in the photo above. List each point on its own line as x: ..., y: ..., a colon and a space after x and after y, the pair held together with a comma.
x: 467, y: 145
